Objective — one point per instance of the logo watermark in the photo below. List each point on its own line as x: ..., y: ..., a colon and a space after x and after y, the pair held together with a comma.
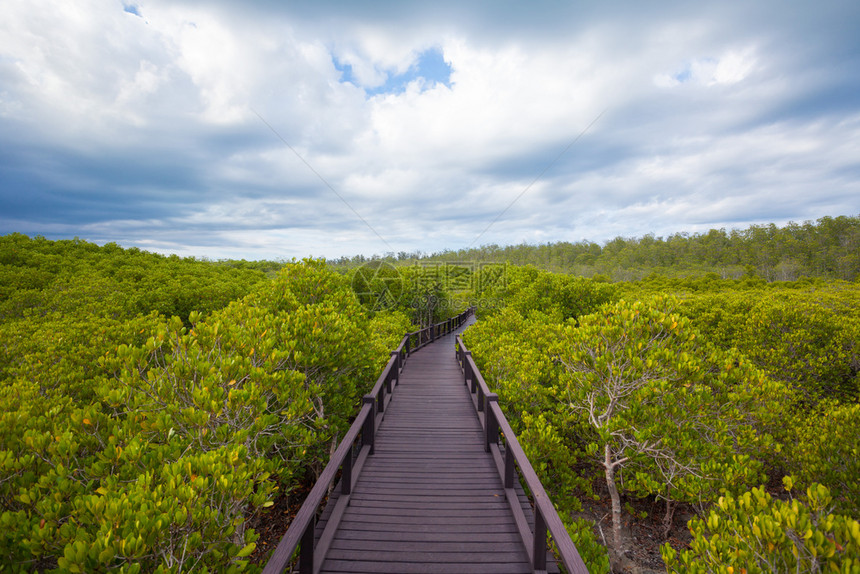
x: 442, y: 285
x: 379, y: 285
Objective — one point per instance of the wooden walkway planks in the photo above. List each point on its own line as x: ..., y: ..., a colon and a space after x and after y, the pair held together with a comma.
x: 430, y: 499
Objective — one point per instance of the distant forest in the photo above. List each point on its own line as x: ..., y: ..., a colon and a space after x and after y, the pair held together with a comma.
x: 827, y: 248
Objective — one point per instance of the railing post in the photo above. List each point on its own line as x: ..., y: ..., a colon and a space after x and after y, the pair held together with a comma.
x: 346, y: 474
x: 539, y: 545
x: 306, y: 557
x: 367, y: 433
x: 492, y: 430
x: 509, y: 468
x: 467, y: 369
x: 393, y: 372
x: 406, y: 346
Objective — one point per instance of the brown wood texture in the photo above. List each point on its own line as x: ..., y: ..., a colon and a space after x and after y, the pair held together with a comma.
x: 430, y: 498
x: 494, y: 418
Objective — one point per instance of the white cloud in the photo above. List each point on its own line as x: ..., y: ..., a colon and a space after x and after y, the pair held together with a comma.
x: 710, y: 116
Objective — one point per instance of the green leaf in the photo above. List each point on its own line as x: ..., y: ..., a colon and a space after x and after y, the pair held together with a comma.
x: 247, y: 550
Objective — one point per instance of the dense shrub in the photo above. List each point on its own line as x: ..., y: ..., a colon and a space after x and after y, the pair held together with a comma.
x: 757, y: 534
x: 825, y: 448
x: 683, y: 399
x: 148, y: 443
x: 808, y: 338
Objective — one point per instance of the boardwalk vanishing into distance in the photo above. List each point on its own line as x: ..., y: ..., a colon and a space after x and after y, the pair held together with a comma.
x: 430, y: 499
x: 424, y: 488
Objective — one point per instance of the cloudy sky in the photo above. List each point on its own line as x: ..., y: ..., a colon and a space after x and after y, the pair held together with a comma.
x: 268, y: 130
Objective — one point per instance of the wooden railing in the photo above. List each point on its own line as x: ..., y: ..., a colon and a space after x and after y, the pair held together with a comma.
x: 358, y: 439
x: 427, y: 335
x: 546, y: 517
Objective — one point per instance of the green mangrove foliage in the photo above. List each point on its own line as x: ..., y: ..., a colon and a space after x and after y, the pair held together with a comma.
x: 670, y: 416
x: 528, y: 290
x: 806, y: 336
x: 689, y: 399
x: 826, y: 449
x: 756, y: 534
x: 512, y: 344
x: 38, y: 276
x: 152, y: 407
x: 420, y: 292
x: 156, y: 446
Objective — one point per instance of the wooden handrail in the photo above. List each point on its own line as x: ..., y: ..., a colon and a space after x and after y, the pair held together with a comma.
x: 430, y: 333
x: 302, y: 528
x: 546, y: 516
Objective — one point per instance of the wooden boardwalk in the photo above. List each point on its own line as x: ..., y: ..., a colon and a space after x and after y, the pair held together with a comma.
x: 426, y: 479
x: 430, y: 499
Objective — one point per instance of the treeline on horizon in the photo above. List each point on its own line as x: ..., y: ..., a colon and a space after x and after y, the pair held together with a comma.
x: 827, y: 248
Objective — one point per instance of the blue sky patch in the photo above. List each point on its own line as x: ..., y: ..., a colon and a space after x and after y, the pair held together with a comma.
x: 430, y: 65
x: 131, y: 9
x: 345, y: 71
x: 684, y: 75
